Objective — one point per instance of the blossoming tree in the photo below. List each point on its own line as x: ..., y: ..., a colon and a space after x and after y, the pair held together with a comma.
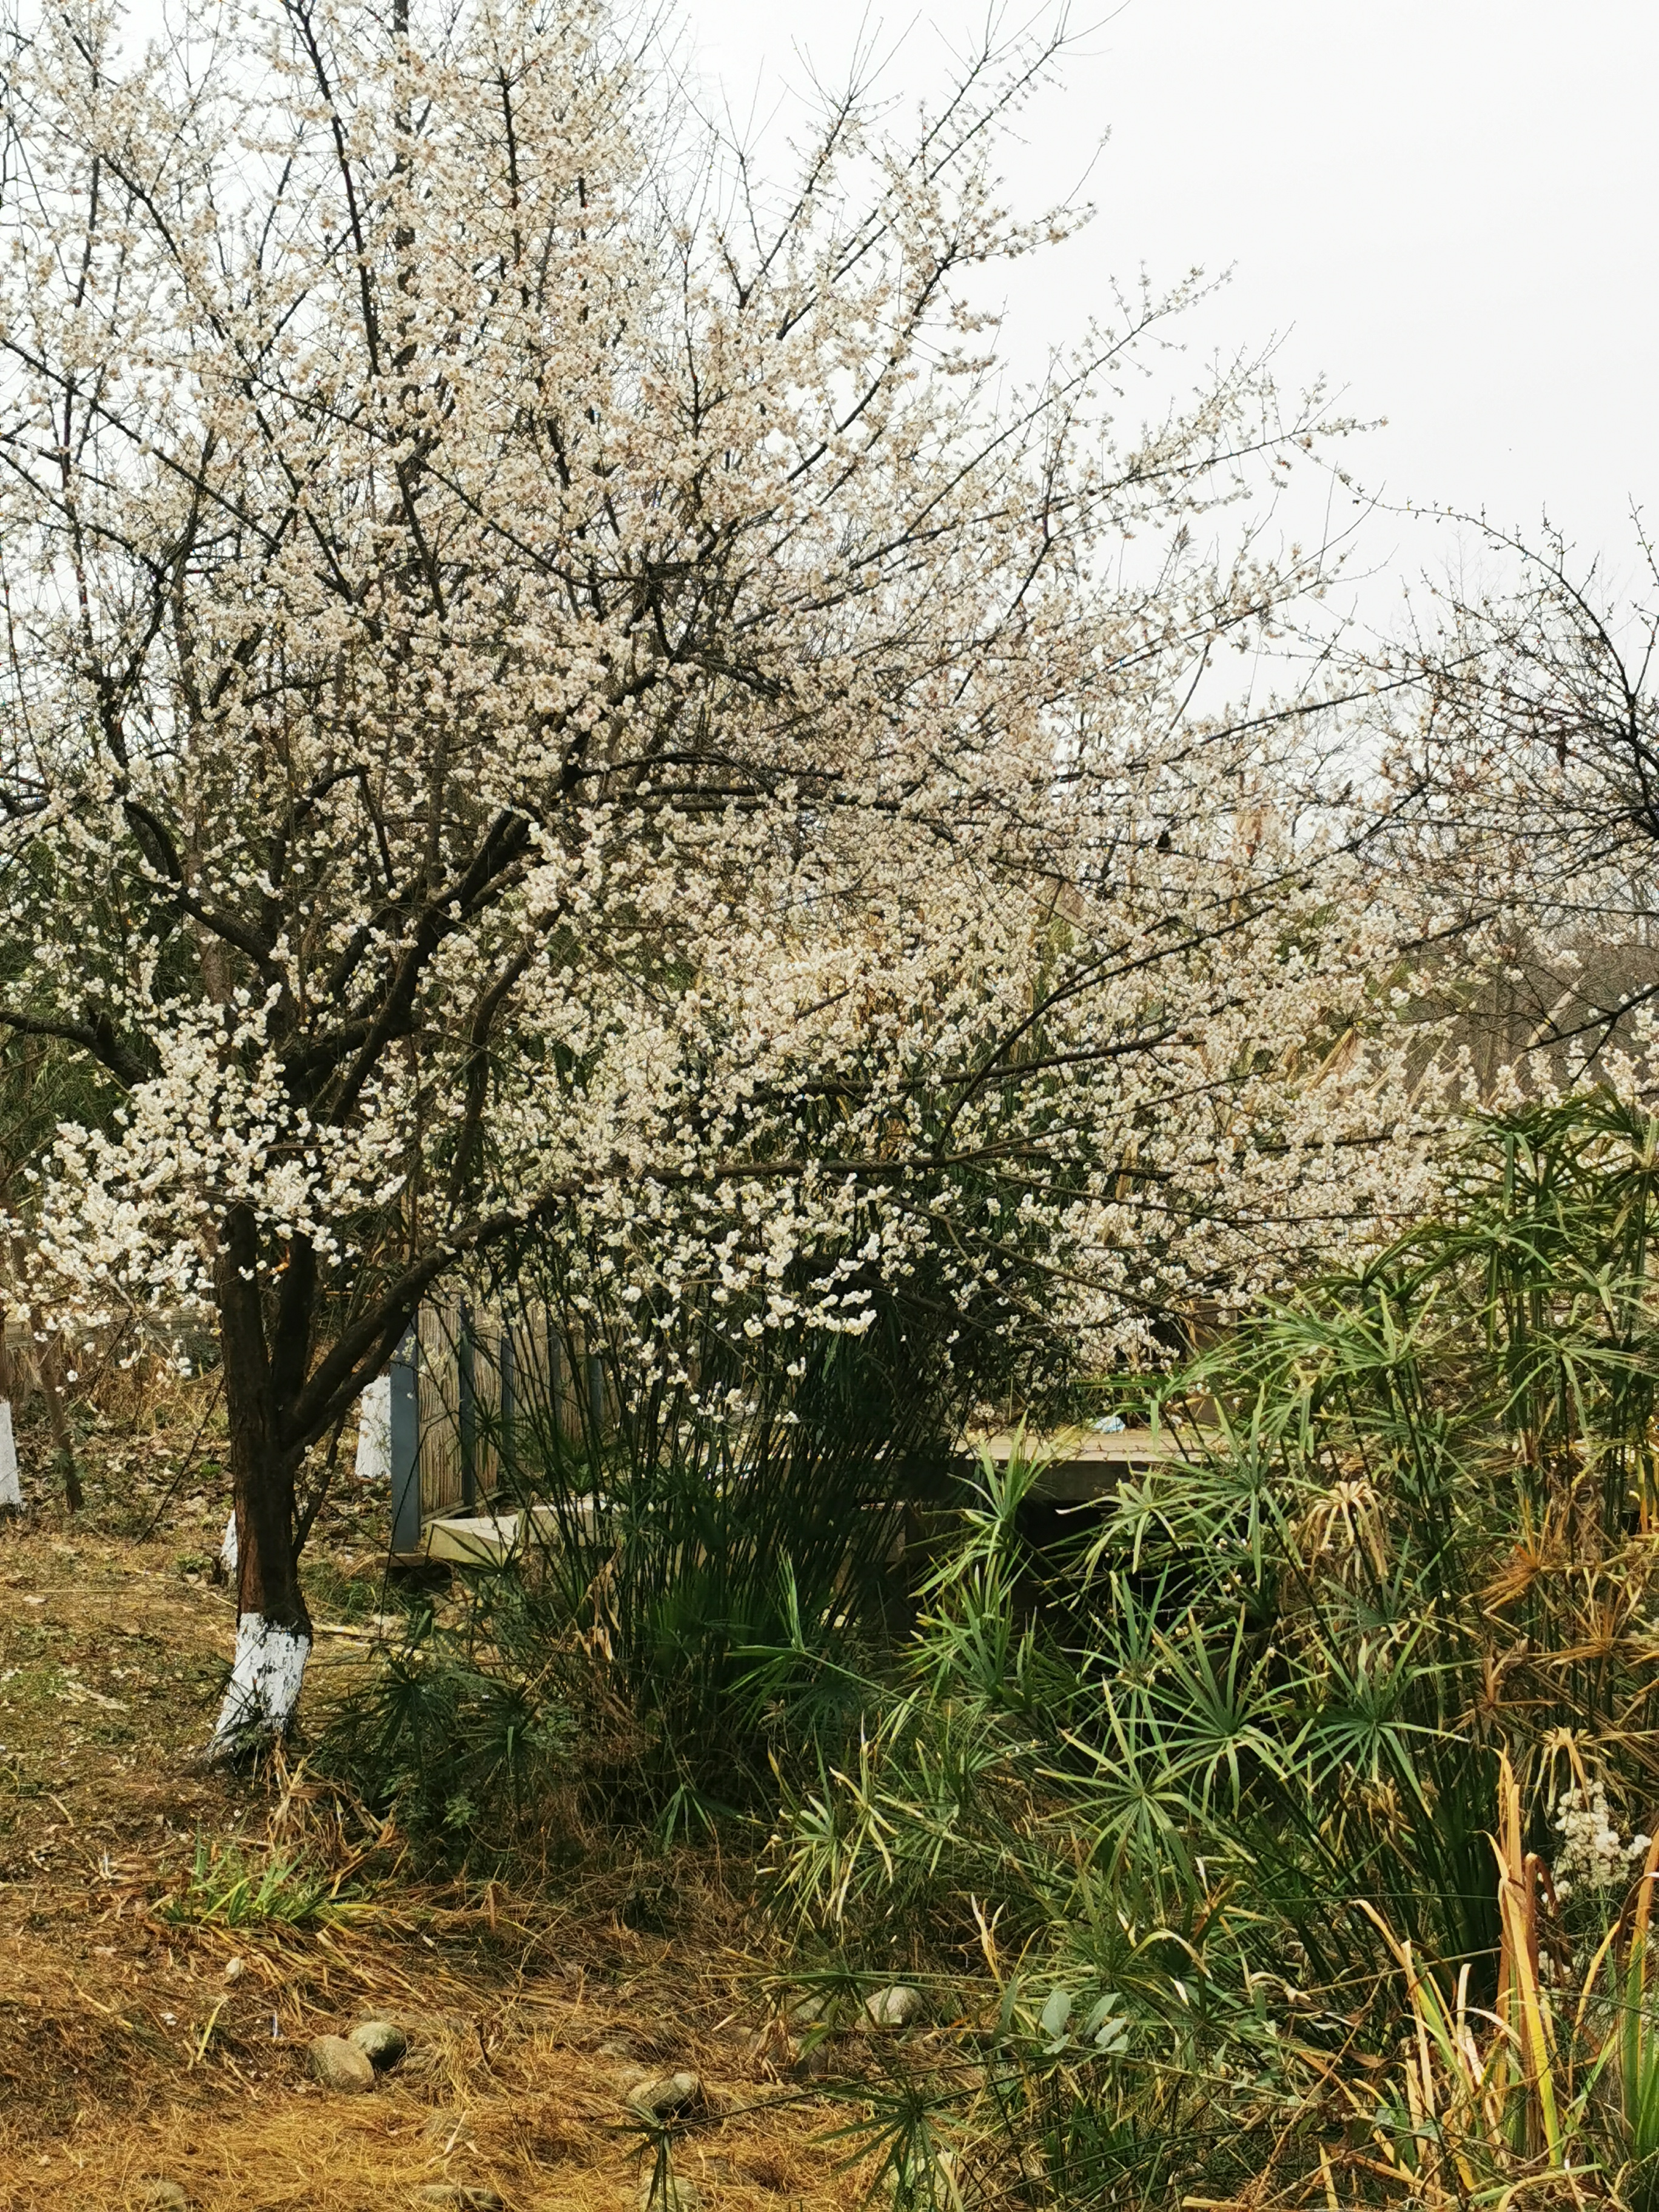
x: 551, y: 688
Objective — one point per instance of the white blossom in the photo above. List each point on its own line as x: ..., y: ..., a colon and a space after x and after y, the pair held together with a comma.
x: 543, y: 695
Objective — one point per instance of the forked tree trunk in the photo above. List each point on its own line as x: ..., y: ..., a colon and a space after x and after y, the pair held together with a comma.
x: 273, y: 1628
x: 373, y: 1463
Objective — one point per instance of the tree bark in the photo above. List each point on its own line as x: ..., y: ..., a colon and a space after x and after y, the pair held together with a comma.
x: 63, y: 1439
x: 11, y: 1495
x: 373, y: 1463
x: 273, y: 1628
x: 48, y: 1365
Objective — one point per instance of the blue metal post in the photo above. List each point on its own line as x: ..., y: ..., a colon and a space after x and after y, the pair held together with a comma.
x: 468, y: 1410
x: 405, y: 1450
x: 509, y: 1366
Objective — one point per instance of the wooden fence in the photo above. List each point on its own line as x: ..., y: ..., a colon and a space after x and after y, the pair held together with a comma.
x: 466, y: 1383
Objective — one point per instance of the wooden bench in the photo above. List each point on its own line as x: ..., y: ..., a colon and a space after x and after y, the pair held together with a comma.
x: 489, y: 1538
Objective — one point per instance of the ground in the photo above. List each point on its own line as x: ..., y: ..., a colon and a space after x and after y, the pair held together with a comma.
x: 156, y: 2015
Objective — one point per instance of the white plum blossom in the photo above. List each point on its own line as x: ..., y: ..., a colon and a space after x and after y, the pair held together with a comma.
x: 1592, y: 1853
x: 548, y: 694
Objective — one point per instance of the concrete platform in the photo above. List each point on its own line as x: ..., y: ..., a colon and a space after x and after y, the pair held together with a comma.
x: 490, y: 1538
x: 1080, y: 1465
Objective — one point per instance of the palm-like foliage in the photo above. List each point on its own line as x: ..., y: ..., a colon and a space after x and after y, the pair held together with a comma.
x: 1243, y: 1750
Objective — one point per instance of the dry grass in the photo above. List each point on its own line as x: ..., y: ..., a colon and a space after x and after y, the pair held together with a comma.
x: 129, y: 2053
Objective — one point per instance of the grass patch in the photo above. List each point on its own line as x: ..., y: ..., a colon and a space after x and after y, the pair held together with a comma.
x: 229, y: 1887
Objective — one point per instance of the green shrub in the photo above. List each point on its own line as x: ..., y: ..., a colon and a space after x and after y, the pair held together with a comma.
x: 606, y: 1672
x: 1214, y: 1768
x: 467, y: 1752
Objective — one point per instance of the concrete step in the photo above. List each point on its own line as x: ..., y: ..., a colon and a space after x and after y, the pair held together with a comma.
x: 493, y: 1538
x: 1078, y: 1465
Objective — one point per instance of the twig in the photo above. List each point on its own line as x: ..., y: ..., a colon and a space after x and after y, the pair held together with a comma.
x: 178, y: 1479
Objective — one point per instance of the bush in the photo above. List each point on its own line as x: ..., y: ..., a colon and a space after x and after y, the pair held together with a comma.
x: 608, y: 1672
x: 1189, y: 1826
x: 467, y: 1754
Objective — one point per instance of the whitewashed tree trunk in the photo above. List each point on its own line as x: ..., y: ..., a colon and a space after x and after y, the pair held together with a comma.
x: 273, y: 1628
x: 270, y: 1660
x: 265, y: 1683
x: 11, y: 1496
x: 375, y: 1431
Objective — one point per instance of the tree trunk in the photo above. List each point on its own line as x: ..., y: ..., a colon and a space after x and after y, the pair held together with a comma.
x: 375, y: 1431
x: 11, y: 1495
x: 273, y: 1628
x: 62, y: 1437
x: 48, y: 1368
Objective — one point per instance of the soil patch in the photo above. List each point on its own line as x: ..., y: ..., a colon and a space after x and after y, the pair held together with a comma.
x: 157, y: 2004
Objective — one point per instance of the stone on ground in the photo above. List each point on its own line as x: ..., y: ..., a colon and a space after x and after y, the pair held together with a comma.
x: 670, y: 2194
x: 664, y: 2098
x: 382, y: 2042
x: 338, y: 2064
x: 161, y: 2195
x: 896, y: 2007
x: 458, y: 2197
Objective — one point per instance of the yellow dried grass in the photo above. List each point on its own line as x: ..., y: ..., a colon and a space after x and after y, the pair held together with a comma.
x: 535, y: 2117
x: 127, y: 2055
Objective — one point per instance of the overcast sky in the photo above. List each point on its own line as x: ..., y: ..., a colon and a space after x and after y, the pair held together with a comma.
x: 1446, y: 206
